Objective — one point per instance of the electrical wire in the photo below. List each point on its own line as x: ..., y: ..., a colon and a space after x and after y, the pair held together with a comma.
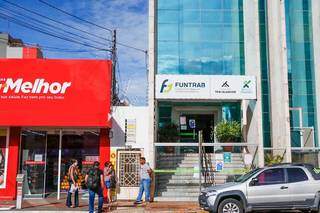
x: 45, y: 25
x: 53, y: 20
x: 30, y: 11
x: 74, y: 16
x: 29, y: 26
x: 50, y: 48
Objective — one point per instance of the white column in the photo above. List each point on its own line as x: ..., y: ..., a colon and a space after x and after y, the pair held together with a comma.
x: 278, y: 69
x: 151, y: 81
x: 59, y: 165
x: 253, y: 108
x: 315, y: 5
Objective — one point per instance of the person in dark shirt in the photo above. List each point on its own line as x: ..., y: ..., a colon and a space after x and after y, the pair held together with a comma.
x: 95, y: 183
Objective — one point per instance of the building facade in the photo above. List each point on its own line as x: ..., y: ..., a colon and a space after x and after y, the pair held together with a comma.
x: 52, y: 111
x: 272, y: 41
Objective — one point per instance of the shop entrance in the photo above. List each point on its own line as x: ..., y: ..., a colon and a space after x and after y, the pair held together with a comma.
x: 46, y: 155
x: 39, y: 158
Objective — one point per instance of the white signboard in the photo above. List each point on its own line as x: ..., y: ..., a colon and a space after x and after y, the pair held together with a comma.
x: 130, y: 130
x: 213, y: 87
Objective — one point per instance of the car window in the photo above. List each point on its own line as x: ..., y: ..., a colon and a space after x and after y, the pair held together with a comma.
x: 271, y: 176
x: 296, y: 175
x: 315, y: 172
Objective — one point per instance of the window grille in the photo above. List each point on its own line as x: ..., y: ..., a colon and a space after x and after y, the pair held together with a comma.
x: 129, y: 165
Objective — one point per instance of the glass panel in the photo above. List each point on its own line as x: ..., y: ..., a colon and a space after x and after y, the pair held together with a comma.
x: 52, y: 162
x: 168, y: 32
x: 201, y: 22
x: 3, y: 157
x: 168, y: 16
x: 296, y: 175
x: 271, y: 176
x: 211, y: 4
x: 82, y: 146
x: 211, y: 16
x: 190, y: 16
x: 168, y: 4
x: 190, y: 4
x: 33, y: 162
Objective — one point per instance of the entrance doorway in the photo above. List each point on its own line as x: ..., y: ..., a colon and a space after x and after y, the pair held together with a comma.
x: 45, y: 158
x: 39, y: 158
x: 191, y: 124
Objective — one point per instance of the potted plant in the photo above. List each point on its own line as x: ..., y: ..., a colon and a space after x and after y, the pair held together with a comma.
x: 228, y: 132
x: 168, y: 133
x: 272, y: 159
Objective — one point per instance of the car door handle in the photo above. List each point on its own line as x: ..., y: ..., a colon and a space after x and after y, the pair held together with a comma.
x: 283, y: 187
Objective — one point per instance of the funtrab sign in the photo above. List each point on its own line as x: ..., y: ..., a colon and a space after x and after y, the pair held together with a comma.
x: 211, y: 87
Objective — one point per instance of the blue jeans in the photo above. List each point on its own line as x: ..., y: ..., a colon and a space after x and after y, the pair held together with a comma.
x: 144, y: 187
x: 91, y: 200
x: 76, y: 198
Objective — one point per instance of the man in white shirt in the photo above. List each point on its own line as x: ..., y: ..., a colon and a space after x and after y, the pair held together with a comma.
x: 145, y: 181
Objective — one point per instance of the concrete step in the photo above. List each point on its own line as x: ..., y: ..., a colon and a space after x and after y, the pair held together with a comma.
x: 180, y: 189
x: 180, y: 194
x: 194, y: 199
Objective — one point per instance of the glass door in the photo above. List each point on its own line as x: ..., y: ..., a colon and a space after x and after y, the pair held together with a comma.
x: 33, y: 162
x: 52, y: 163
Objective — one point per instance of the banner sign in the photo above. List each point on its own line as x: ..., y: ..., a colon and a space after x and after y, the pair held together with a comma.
x: 42, y: 92
x: 212, y: 87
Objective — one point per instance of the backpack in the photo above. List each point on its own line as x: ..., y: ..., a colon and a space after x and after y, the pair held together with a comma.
x: 93, y: 182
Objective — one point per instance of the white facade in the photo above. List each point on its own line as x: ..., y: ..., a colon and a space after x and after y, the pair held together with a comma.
x: 139, y: 132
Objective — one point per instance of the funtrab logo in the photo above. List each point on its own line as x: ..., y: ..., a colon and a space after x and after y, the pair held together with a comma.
x: 165, y: 88
x: 38, y: 86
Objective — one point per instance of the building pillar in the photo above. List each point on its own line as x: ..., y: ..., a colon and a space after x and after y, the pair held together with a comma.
x: 104, y: 151
x: 151, y: 82
x: 253, y: 108
x: 10, y: 190
x: 278, y: 68
x: 315, y: 5
x: 104, y: 147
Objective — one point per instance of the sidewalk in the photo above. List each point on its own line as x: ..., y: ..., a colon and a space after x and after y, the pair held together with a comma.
x: 54, y: 205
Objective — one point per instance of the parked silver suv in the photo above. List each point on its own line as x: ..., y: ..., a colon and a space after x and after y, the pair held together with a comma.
x: 280, y: 187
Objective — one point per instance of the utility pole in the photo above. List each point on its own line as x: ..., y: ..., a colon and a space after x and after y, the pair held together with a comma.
x: 114, y: 65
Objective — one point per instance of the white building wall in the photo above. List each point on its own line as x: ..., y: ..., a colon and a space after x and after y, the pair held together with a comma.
x: 253, y: 108
x: 141, y: 115
x: 14, y: 52
x: 278, y: 69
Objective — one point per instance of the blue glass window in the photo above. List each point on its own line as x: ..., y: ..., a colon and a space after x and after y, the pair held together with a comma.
x: 209, y: 34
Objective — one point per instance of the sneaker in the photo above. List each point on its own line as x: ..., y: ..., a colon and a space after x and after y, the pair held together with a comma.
x: 137, y: 202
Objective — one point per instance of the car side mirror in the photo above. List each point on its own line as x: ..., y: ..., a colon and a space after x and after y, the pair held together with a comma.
x: 253, y: 182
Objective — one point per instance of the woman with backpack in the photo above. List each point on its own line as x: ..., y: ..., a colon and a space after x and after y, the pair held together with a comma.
x: 110, y: 179
x: 73, y: 185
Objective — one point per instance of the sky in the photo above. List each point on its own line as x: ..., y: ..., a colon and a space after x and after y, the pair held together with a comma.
x: 128, y: 17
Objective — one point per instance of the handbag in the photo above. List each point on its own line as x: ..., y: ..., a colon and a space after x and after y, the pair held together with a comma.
x: 73, y: 188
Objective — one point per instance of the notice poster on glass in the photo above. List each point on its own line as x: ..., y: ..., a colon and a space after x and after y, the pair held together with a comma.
x: 3, y: 157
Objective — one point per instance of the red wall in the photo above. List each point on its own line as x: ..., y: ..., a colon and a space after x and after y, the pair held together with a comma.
x: 9, y: 193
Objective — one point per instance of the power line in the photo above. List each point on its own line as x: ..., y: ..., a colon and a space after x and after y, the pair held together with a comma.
x: 74, y: 16
x: 36, y: 13
x: 29, y: 26
x: 45, y: 25
x: 53, y: 20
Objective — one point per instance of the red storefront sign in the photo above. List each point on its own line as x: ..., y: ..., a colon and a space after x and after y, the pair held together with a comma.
x: 41, y: 92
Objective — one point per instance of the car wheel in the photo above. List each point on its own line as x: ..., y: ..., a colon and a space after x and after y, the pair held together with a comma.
x: 230, y: 206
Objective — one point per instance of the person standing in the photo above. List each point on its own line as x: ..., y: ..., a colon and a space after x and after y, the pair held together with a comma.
x: 145, y: 181
x: 109, y: 178
x: 94, y: 180
x: 73, y: 185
